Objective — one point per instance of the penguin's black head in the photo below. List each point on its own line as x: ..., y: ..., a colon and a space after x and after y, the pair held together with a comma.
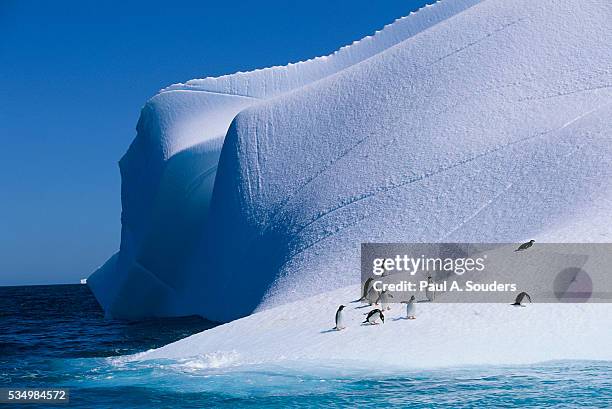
x: 341, y: 307
x: 531, y: 241
x: 412, y: 298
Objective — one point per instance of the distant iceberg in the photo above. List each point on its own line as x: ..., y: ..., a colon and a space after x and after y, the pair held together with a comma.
x: 475, y: 121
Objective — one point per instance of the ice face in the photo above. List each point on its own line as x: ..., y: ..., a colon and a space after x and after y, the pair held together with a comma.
x: 475, y: 122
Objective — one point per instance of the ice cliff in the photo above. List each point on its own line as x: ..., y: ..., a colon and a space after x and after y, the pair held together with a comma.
x: 466, y: 121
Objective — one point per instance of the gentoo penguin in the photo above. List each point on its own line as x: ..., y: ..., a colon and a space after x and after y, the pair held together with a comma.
x: 373, y: 316
x: 410, y: 308
x: 340, y: 318
x: 525, y: 246
x: 383, y: 299
x: 430, y: 294
x: 520, y: 297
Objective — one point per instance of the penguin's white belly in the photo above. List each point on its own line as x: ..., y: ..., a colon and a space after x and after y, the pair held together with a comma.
x: 340, y: 321
x: 384, y: 301
x: 410, y: 309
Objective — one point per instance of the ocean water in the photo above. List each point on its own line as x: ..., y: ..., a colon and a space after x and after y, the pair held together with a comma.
x: 56, y: 336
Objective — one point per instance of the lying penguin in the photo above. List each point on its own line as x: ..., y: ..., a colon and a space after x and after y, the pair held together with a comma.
x: 340, y: 319
x: 373, y: 316
x: 519, y: 299
x: 525, y: 246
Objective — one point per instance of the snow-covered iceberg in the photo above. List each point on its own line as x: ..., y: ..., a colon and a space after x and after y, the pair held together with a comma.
x: 466, y: 121
x: 443, y: 335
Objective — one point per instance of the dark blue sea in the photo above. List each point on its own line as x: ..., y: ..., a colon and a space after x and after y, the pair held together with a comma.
x: 57, y: 336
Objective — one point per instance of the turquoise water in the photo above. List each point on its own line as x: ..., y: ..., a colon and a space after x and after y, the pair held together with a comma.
x: 114, y: 382
x: 56, y: 336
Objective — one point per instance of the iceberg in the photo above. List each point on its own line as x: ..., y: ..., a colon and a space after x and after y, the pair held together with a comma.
x: 169, y: 170
x: 476, y: 121
x: 442, y: 335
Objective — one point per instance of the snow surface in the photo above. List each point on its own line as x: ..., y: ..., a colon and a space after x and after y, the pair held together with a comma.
x: 467, y: 121
x: 441, y: 335
x: 169, y: 170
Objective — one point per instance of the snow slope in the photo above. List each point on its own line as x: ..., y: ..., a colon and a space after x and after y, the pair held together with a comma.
x: 169, y: 169
x: 466, y: 132
x: 482, y: 122
x: 442, y: 335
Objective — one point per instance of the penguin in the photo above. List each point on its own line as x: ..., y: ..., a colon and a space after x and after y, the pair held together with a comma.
x: 383, y: 299
x: 373, y: 316
x: 519, y: 299
x: 410, y: 308
x: 525, y: 246
x: 372, y: 295
x: 366, y: 289
x: 429, y: 293
x: 340, y: 319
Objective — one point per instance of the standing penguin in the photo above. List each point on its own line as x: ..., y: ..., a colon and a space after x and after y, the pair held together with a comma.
x: 340, y: 318
x: 372, y: 296
x: 366, y: 289
x: 519, y: 299
x: 525, y: 246
x: 383, y: 299
x: 410, y: 308
x: 373, y: 316
x: 430, y: 292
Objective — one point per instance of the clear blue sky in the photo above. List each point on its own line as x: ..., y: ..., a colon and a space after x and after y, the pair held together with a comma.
x: 73, y: 77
